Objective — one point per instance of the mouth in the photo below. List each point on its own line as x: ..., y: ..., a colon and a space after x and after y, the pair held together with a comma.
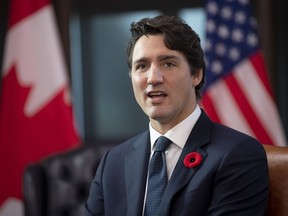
x: 156, y: 96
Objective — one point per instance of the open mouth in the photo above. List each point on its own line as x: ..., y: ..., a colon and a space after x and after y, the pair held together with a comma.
x: 156, y: 94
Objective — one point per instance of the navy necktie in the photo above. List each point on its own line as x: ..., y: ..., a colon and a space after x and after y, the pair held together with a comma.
x: 157, y: 177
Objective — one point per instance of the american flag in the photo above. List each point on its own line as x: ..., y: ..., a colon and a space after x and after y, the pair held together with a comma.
x: 237, y: 92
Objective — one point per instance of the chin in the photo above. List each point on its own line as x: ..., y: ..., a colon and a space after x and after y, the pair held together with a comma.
x: 156, y: 113
x: 158, y: 118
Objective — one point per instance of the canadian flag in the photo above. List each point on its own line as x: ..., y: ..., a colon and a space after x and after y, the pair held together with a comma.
x: 36, y: 117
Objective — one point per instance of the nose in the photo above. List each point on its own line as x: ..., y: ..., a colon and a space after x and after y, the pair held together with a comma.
x: 154, y: 75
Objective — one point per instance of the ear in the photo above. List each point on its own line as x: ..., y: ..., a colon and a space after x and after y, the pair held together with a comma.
x: 197, y: 77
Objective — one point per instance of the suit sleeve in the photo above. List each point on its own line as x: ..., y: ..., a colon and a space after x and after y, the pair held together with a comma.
x: 242, y: 182
x: 95, y: 202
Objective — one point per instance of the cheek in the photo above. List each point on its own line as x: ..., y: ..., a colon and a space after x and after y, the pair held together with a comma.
x: 138, y: 82
x: 184, y: 83
x: 184, y: 89
x: 138, y: 85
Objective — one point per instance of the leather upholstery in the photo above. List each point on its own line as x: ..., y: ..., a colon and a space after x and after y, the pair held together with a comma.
x: 59, y: 185
x: 278, y: 171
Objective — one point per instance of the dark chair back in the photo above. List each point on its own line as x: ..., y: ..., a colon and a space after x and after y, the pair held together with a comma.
x: 59, y: 185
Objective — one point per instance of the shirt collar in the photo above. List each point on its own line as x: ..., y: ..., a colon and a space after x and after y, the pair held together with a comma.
x: 180, y: 132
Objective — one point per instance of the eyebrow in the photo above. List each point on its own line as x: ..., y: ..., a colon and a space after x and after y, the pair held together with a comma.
x: 167, y: 57
x: 144, y: 59
x: 161, y: 58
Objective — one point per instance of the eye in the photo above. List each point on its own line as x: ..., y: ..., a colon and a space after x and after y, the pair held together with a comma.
x: 169, y: 64
x: 141, y: 67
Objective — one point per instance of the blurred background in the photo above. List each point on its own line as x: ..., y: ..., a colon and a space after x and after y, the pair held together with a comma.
x: 98, y: 62
x: 93, y: 36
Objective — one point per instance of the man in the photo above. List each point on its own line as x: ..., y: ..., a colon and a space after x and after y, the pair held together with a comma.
x: 211, y: 169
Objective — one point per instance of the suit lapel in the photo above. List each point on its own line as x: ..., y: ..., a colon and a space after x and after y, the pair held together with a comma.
x: 136, y: 166
x: 182, y: 175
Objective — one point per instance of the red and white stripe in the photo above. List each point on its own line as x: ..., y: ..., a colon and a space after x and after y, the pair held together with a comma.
x: 244, y: 101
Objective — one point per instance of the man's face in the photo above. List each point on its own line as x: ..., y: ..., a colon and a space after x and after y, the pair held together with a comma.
x: 162, y: 82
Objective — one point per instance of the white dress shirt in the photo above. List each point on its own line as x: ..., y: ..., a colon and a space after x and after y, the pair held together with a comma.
x: 178, y: 135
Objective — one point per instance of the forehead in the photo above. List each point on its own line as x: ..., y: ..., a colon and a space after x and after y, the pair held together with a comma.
x: 152, y: 46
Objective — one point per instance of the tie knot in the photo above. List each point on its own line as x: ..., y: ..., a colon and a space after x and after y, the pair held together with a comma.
x: 162, y: 143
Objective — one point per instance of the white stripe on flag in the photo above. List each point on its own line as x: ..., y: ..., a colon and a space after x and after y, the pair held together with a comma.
x: 259, y: 98
x: 227, y: 109
x: 38, y: 59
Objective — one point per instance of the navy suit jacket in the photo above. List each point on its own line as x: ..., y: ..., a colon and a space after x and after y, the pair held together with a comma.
x: 232, y: 178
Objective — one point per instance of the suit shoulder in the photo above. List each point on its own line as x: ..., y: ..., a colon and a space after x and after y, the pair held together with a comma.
x: 129, y: 143
x: 228, y: 133
x: 230, y: 138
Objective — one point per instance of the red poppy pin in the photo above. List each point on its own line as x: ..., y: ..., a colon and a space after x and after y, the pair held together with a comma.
x: 192, y: 159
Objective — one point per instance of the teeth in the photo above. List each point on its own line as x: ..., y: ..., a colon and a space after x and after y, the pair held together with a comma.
x: 156, y: 93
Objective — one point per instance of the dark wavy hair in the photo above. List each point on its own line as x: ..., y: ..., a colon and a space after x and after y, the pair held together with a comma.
x: 177, y: 35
